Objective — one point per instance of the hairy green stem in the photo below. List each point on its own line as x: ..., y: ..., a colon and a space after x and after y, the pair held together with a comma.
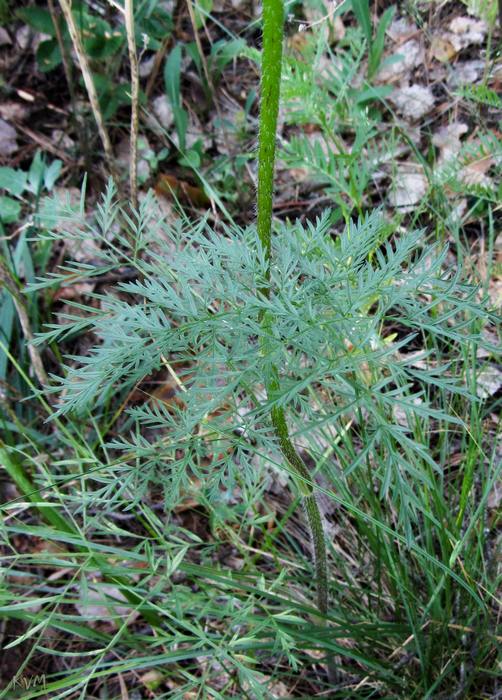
x: 273, y: 33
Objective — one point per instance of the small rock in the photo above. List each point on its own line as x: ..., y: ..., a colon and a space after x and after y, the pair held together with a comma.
x: 195, y: 132
x: 13, y: 111
x: 146, y: 66
x: 165, y: 212
x: 84, y: 251
x: 466, y: 31
x: 410, y: 188
x: 102, y: 602
x: 278, y: 689
x: 401, y: 28
x: 62, y: 140
x: 229, y: 128
x: 55, y: 215
x: 447, y: 139
x: 402, y: 417
x: 5, y: 39
x: 161, y: 118
x: 8, y: 139
x: 407, y: 57
x: 144, y: 155
x: 495, y: 498
x: 466, y: 73
x: 23, y: 37
x: 414, y: 101
x: 489, y: 382
x: 143, y: 170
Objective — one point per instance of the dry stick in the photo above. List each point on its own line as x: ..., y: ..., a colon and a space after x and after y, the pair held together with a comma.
x: 193, y: 21
x: 68, y: 76
x: 64, y: 57
x: 159, y: 57
x: 47, y: 145
x: 133, y: 60
x: 90, y: 87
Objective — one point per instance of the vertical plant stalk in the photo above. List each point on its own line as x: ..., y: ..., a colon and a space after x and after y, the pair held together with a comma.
x: 273, y: 34
x: 67, y: 68
x: 89, y: 84
x: 7, y: 281
x: 159, y: 57
x: 205, y: 68
x: 193, y: 21
x: 133, y: 60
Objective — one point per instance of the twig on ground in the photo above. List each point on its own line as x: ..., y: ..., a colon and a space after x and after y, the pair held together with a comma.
x: 46, y: 144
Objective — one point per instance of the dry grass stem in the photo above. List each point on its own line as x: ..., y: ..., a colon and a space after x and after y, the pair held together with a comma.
x: 133, y: 60
x: 89, y: 84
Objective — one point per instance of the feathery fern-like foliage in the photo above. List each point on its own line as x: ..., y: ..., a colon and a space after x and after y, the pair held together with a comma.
x: 347, y: 306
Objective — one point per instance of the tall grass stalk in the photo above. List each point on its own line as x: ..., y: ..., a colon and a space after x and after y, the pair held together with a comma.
x: 90, y: 87
x: 273, y: 33
x: 133, y: 60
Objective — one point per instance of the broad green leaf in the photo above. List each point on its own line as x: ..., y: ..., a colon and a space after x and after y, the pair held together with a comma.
x: 157, y: 27
x: 201, y: 9
x: 111, y: 94
x: 48, y: 55
x: 12, y: 180
x: 100, y: 40
x: 223, y: 52
x: 373, y: 93
x: 10, y: 210
x: 362, y: 12
x: 36, y: 173
x: 37, y: 18
x: 377, y: 46
x: 52, y: 173
x: 7, y: 315
x: 172, y: 79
